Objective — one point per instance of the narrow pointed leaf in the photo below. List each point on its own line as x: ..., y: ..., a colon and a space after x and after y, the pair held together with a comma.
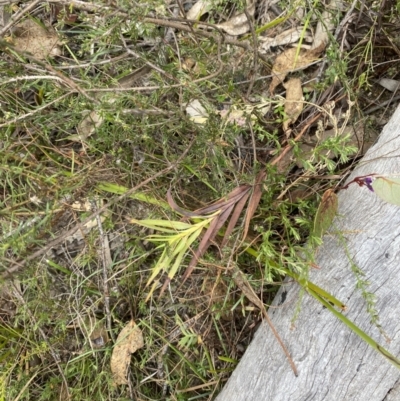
x: 235, y: 217
x: 254, y: 201
x: 160, y: 265
x: 204, y: 244
x: 178, y: 261
x: 177, y: 208
x: 233, y: 197
x: 153, y: 287
x: 306, y: 284
x: 140, y: 196
x: 207, y: 239
x: 161, y: 224
x: 164, y: 286
x: 364, y: 336
x: 221, y: 221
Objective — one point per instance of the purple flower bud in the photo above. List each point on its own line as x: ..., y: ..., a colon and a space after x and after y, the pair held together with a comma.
x: 368, y: 181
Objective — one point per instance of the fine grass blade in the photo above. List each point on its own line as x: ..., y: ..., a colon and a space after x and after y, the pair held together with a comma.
x: 364, y: 336
x: 306, y: 284
x: 167, y: 226
x: 140, y: 196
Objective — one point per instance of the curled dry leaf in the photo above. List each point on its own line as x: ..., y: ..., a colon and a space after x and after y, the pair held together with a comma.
x: 199, y: 9
x: 293, y: 102
x: 289, y: 61
x: 129, y: 341
x: 87, y: 127
x: 33, y: 38
x: 239, y: 23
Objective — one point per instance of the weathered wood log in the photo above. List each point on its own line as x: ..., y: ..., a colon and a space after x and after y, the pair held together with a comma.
x: 334, y: 364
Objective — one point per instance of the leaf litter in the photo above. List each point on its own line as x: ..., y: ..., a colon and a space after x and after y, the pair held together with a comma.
x: 35, y: 38
x: 129, y: 340
x: 293, y: 102
x: 290, y: 60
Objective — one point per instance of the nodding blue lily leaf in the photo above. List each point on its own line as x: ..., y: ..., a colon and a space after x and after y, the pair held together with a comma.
x: 388, y: 189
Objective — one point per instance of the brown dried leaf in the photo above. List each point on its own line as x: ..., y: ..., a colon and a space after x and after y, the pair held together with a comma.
x: 87, y: 127
x: 232, y: 197
x: 208, y: 238
x: 235, y: 217
x: 254, y: 201
x: 177, y: 208
x: 291, y: 35
x: 289, y: 61
x: 326, y: 212
x: 239, y: 23
x: 294, y: 101
x: 31, y: 37
x: 203, y: 246
x: 129, y: 340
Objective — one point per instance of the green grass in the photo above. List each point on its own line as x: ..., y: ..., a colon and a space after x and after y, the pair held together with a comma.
x: 53, y: 178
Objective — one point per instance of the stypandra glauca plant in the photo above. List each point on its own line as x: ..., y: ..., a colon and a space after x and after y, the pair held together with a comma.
x: 176, y: 240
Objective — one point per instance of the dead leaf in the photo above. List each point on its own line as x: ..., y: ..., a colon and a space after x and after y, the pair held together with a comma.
x: 254, y: 200
x: 225, y: 205
x: 293, y: 102
x: 33, y: 38
x: 391, y: 85
x: 289, y: 61
x: 287, y: 37
x: 233, y: 116
x: 129, y: 341
x: 83, y: 205
x: 234, y: 218
x: 326, y: 212
x: 327, y: 23
x: 230, y: 205
x: 200, y: 8
x: 99, y: 336
x: 87, y: 127
x: 241, y: 114
x: 198, y: 114
x: 239, y: 23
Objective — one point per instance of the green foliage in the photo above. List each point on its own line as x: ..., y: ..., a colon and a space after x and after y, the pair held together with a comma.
x: 48, y: 168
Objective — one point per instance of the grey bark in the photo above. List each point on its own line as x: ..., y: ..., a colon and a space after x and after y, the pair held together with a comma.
x: 334, y: 364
